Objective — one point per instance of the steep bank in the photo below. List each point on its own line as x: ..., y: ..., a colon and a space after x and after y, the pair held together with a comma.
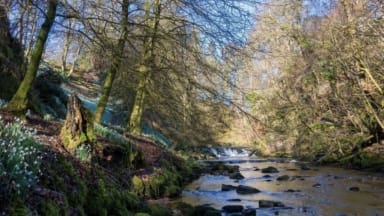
x: 122, y: 173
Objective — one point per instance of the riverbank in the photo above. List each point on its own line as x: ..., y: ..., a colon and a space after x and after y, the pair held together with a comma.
x: 118, y: 177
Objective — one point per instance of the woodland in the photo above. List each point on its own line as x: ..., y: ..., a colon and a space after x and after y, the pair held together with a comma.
x: 107, y: 106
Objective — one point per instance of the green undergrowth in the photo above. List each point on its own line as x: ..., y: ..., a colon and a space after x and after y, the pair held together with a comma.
x: 166, y: 180
x: 83, y: 189
x: 70, y: 185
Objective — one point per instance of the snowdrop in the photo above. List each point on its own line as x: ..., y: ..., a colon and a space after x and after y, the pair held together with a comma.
x: 20, y: 157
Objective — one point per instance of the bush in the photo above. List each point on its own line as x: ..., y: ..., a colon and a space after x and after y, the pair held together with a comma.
x: 20, y: 159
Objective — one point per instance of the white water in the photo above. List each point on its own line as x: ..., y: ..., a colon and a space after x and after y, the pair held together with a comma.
x: 229, y: 152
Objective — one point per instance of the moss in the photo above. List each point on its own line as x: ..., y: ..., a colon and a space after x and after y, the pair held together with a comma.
x: 61, y: 176
x: 142, y: 214
x: 138, y: 186
x: 158, y: 210
x: 367, y: 160
x: 184, y: 208
x: 172, y: 191
x: 165, y: 183
x: 50, y: 208
x: 97, y: 200
x: 18, y: 208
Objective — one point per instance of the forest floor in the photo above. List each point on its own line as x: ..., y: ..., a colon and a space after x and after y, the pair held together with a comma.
x: 154, y: 175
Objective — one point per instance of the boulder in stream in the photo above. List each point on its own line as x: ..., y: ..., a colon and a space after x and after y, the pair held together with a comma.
x: 291, y: 191
x: 270, y: 204
x: 269, y: 169
x: 354, y: 189
x: 207, y: 210
x: 243, y: 189
x: 225, y: 187
x: 234, y: 200
x: 233, y: 208
x: 304, y: 167
x: 236, y: 175
x: 249, y: 212
x: 283, y: 178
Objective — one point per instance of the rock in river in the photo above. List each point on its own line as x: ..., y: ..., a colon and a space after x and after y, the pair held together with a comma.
x: 354, y: 189
x: 243, y: 189
x: 234, y: 200
x: 283, y: 178
x: 270, y: 204
x: 249, y: 212
x: 236, y: 175
x: 233, y: 208
x: 225, y: 187
x: 269, y: 169
x: 206, y: 210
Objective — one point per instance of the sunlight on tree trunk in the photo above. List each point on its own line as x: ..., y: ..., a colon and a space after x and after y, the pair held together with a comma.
x: 117, y: 57
x: 20, y: 99
x: 146, y: 65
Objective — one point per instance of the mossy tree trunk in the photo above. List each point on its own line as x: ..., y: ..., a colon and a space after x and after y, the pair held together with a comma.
x: 78, y: 126
x: 146, y: 65
x: 117, y: 57
x: 20, y: 99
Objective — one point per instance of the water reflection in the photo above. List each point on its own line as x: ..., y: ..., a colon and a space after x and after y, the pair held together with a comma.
x: 318, y: 191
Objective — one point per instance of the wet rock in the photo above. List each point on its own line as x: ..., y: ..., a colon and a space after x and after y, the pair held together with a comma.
x: 219, y: 168
x: 291, y: 191
x: 237, y: 176
x: 256, y: 169
x: 243, y: 189
x: 268, y: 180
x: 225, y: 187
x: 270, y: 204
x: 354, y: 189
x: 269, y: 169
x: 249, y: 212
x: 283, y: 178
x: 233, y: 208
x: 304, y: 167
x: 207, y: 210
x: 267, y: 176
x: 291, y: 169
x: 234, y: 200
x: 317, y: 185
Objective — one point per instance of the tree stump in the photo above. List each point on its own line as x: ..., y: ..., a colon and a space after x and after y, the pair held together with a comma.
x: 78, y: 125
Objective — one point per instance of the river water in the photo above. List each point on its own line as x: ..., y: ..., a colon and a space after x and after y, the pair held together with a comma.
x: 316, y: 191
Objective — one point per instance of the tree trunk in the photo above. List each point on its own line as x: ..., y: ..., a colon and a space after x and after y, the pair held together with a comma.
x: 78, y: 51
x: 107, y: 86
x: 137, y: 110
x: 146, y: 66
x: 65, y: 53
x: 20, y: 99
x: 78, y: 125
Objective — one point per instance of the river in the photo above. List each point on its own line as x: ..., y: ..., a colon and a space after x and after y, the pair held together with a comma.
x: 309, y: 190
